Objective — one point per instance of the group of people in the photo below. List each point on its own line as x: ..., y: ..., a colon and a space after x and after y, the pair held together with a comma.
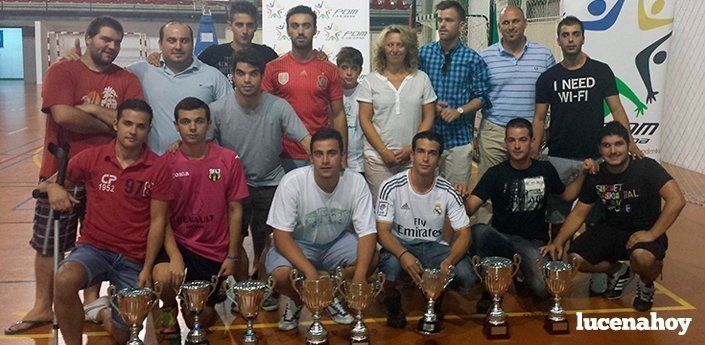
x: 174, y: 159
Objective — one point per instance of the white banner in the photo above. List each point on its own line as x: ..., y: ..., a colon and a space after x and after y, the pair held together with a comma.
x: 341, y: 23
x: 633, y: 37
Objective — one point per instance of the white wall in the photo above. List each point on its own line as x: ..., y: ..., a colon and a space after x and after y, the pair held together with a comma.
x: 684, y: 109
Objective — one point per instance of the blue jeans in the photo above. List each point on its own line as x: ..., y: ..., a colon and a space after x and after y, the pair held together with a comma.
x: 103, y: 265
x: 488, y: 241
x: 430, y: 254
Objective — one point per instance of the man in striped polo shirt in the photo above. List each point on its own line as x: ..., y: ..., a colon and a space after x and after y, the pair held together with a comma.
x: 514, y: 63
x: 459, y: 78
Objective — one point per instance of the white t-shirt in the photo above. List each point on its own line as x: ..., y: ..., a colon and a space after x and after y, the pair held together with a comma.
x: 419, y: 218
x: 355, y: 135
x: 397, y: 113
x: 316, y: 217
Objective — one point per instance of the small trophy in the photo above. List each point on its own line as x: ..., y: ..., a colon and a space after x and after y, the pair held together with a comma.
x: 195, y: 294
x: 134, y: 304
x: 358, y: 297
x: 558, y: 276
x: 248, y: 296
x: 433, y: 282
x: 316, y: 295
x: 497, y: 274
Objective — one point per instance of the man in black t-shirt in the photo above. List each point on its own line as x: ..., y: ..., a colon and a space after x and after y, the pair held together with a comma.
x: 518, y: 189
x: 635, y: 225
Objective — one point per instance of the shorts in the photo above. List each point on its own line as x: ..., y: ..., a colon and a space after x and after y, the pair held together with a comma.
x: 198, y: 268
x: 604, y: 243
x: 255, y: 210
x: 558, y: 209
x: 68, y: 225
x: 103, y: 265
x: 340, y: 252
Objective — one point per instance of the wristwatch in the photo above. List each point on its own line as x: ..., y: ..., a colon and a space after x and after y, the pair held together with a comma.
x: 460, y: 110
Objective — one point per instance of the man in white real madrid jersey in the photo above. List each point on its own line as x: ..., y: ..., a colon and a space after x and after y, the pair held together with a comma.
x: 412, y: 207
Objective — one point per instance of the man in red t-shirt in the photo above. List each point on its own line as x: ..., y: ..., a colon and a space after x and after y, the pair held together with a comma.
x: 205, y: 232
x: 79, y: 98
x: 127, y: 191
x: 312, y: 86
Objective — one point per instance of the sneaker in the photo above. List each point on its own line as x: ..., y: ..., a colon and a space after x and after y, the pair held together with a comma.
x: 598, y: 284
x: 290, y: 317
x: 617, y: 282
x: 167, y: 324
x: 92, y: 310
x: 270, y: 303
x: 338, y: 313
x: 644, y: 298
x: 484, y: 303
x: 396, y: 318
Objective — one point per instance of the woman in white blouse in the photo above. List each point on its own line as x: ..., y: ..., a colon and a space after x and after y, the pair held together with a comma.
x: 396, y: 102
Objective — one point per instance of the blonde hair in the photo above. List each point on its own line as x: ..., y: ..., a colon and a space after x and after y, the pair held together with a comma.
x: 408, y: 39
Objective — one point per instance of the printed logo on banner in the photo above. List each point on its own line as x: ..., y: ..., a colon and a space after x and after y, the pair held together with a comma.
x: 323, y: 11
x: 281, y: 32
x: 598, y: 8
x: 331, y: 32
x: 272, y: 9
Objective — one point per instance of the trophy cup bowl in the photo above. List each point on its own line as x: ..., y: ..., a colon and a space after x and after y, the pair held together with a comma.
x: 195, y: 295
x: 133, y: 305
x: 316, y: 295
x: 433, y: 282
x: 558, y: 276
x: 248, y: 296
x: 496, y: 274
x: 359, y: 296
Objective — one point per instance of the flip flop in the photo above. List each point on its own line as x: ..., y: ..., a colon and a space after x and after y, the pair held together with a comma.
x: 17, y: 328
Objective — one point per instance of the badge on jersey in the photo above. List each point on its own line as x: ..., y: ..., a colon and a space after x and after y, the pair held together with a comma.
x: 437, y: 209
x: 322, y: 82
x: 283, y: 78
x: 382, y: 208
x: 214, y: 174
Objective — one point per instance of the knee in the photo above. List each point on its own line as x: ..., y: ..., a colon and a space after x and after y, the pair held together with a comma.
x: 390, y: 266
x: 465, y: 276
x: 642, y: 258
x: 579, y: 261
x: 282, y: 275
x: 70, y: 278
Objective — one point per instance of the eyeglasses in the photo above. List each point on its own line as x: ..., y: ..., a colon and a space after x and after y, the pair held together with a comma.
x: 446, y: 64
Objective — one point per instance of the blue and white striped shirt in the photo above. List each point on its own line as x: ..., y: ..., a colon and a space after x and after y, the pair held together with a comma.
x: 513, y: 81
x: 465, y: 79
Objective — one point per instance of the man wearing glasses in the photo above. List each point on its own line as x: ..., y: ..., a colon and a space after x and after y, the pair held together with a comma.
x: 459, y: 77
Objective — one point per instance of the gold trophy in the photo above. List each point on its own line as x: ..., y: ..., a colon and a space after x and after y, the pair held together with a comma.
x: 433, y: 282
x: 558, y: 276
x: 358, y: 297
x: 134, y: 304
x: 317, y: 295
x: 248, y: 296
x: 194, y: 295
x: 497, y: 274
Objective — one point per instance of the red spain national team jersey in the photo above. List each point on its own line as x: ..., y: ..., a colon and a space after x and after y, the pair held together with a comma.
x: 118, y: 200
x: 309, y: 87
x: 72, y: 83
x: 199, y: 213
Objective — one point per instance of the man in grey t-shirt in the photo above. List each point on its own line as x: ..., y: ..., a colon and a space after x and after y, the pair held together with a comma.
x: 252, y: 124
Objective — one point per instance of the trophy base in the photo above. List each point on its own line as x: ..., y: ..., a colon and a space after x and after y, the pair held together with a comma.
x: 364, y: 341
x: 317, y: 342
x: 196, y: 342
x: 429, y: 327
x: 500, y: 331
x: 556, y: 327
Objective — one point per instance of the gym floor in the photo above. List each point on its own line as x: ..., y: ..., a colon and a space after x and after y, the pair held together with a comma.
x: 679, y: 294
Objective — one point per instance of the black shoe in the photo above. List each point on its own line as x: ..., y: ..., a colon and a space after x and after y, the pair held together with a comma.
x: 644, y: 298
x: 617, y: 281
x: 522, y: 289
x: 396, y: 318
x: 484, y: 304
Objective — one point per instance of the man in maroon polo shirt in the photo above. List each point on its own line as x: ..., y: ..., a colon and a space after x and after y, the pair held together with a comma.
x: 127, y: 190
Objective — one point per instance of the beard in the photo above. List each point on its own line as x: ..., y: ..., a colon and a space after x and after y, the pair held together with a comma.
x: 97, y: 57
x: 305, y: 45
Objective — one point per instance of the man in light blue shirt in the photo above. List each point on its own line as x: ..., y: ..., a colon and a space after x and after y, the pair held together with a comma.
x: 179, y: 75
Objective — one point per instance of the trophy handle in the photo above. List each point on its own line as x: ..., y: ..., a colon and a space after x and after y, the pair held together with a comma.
x: 517, y: 262
x: 539, y: 268
x: 379, y: 283
x: 338, y: 276
x: 450, y: 277
x: 270, y: 283
x: 226, y: 287
x: 574, y: 264
x: 475, y: 264
x: 295, y: 277
x: 214, y: 283
x: 112, y: 292
x: 157, y: 292
x: 342, y: 288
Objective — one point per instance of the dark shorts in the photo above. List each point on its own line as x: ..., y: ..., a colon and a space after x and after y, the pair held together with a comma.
x: 604, y: 243
x: 255, y: 210
x: 198, y: 268
x: 68, y: 225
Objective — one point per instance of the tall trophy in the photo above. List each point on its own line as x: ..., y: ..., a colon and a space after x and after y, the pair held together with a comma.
x: 133, y: 305
x: 195, y: 294
x: 316, y: 295
x: 558, y: 276
x: 248, y: 296
x: 433, y: 282
x: 496, y: 274
x: 358, y: 297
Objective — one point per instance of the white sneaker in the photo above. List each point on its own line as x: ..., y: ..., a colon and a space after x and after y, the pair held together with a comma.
x: 91, y: 310
x: 338, y: 313
x: 290, y: 318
